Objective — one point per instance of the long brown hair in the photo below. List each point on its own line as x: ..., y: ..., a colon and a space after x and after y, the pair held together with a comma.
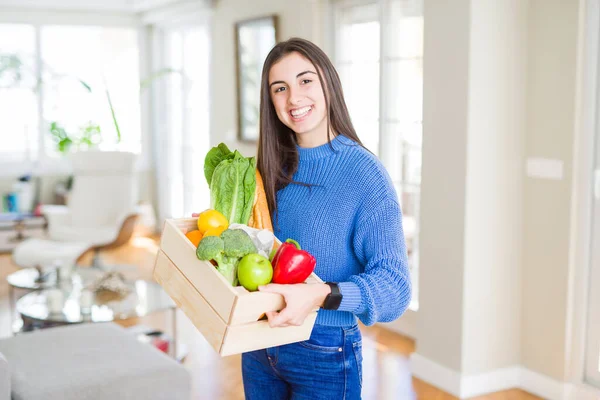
x: 277, y: 159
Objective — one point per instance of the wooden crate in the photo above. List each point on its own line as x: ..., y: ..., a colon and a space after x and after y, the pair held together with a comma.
x: 230, y: 318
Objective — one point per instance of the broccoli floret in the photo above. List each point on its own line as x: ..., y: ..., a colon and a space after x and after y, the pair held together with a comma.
x: 237, y: 243
x: 211, y: 248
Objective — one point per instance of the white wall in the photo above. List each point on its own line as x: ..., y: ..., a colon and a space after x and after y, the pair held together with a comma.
x: 445, y: 91
x: 494, y: 187
x: 472, y: 184
x: 551, y: 83
x: 500, y: 81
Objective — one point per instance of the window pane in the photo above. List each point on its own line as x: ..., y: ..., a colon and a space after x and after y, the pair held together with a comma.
x: 360, y: 42
x: 405, y: 37
x: 196, y: 70
x: 174, y: 112
x: 18, y: 101
x: 186, y: 134
x: 360, y: 83
x: 391, y: 150
x: 106, y: 59
x: 359, y: 73
x: 401, y: 152
x: 368, y: 132
x: 410, y: 198
x: 412, y: 164
x: 405, y: 80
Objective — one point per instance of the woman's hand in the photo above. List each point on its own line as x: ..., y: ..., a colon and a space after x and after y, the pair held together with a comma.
x: 300, y: 300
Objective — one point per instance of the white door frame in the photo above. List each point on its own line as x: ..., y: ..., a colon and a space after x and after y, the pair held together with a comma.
x: 588, y: 83
x: 592, y: 341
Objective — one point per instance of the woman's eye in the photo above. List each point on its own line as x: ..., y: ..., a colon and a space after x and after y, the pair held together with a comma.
x: 305, y: 81
x: 280, y: 89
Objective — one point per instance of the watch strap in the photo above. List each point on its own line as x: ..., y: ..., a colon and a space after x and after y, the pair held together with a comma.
x: 333, y: 299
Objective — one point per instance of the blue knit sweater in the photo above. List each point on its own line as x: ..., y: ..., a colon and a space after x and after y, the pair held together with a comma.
x: 350, y: 220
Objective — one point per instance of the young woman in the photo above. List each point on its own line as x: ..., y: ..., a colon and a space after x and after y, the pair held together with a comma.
x: 334, y: 197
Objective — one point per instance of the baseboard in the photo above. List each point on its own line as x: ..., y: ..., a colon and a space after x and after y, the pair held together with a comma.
x: 439, y: 376
x: 541, y: 385
x: 489, y: 382
x: 469, y: 386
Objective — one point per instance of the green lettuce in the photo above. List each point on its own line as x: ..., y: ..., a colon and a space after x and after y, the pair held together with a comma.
x: 232, y: 183
x: 213, y: 158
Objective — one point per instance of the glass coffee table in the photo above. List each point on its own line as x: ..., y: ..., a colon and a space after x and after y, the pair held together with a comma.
x: 29, y: 279
x: 145, y: 298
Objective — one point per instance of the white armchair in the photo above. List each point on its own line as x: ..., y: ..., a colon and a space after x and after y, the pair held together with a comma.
x: 100, y: 211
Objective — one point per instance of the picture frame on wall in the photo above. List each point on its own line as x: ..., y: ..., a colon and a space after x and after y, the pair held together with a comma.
x: 254, y: 38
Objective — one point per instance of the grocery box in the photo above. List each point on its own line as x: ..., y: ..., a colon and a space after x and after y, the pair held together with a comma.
x: 230, y: 318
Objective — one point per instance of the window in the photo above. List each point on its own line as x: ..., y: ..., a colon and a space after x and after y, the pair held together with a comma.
x: 182, y: 115
x: 379, y: 55
x: 79, y: 68
x: 106, y: 59
x: 19, y: 132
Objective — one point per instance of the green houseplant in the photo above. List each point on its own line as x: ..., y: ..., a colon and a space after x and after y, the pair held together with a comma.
x: 14, y: 72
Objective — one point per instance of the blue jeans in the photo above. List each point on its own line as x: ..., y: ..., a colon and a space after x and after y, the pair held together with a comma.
x: 327, y: 366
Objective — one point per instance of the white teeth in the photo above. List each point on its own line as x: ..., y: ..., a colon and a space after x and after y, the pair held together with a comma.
x: 300, y: 112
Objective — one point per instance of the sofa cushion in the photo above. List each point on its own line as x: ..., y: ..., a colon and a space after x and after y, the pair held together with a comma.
x: 91, y: 361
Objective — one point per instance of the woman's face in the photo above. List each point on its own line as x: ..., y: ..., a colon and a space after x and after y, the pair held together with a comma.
x: 298, y: 98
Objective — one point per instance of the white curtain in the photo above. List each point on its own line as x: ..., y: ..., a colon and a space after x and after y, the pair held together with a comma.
x: 180, y: 118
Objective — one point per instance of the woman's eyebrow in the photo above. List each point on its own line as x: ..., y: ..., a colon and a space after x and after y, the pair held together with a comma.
x: 276, y: 82
x: 297, y: 76
x: 304, y: 73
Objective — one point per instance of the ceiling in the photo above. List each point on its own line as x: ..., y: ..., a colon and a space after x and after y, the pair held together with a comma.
x: 124, y: 6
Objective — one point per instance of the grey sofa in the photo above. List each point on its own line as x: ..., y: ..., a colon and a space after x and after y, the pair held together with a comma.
x: 88, y: 362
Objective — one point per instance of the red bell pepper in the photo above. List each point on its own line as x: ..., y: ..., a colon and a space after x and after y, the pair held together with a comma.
x: 291, y: 264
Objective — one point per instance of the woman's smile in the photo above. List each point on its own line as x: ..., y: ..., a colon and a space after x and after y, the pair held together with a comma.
x: 300, y: 114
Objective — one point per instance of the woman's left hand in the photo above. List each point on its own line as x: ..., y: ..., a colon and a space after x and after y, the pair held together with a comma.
x: 300, y: 300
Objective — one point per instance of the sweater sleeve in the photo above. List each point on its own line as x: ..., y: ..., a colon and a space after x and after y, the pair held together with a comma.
x: 383, y: 291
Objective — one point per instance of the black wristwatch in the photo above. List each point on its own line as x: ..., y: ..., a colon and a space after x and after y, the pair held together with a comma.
x: 333, y: 299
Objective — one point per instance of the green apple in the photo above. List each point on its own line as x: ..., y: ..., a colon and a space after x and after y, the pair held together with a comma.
x: 254, y: 270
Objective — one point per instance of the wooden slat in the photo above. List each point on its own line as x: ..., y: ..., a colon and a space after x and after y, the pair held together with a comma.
x: 259, y: 335
x: 189, y: 301
x: 250, y: 307
x: 206, y: 279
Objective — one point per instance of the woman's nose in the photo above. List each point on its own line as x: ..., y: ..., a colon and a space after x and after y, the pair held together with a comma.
x: 295, y: 96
